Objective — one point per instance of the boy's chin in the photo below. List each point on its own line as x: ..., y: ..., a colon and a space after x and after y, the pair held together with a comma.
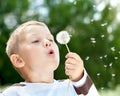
x: 55, y: 68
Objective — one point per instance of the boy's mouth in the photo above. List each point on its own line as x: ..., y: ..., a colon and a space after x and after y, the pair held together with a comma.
x: 51, y: 51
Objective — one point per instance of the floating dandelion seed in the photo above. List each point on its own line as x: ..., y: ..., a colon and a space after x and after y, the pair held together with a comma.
x: 110, y: 64
x: 112, y: 48
x: 87, y: 58
x: 74, y: 2
x: 93, y: 40
x: 98, y: 74
x: 63, y: 37
x: 104, y: 24
x: 113, y: 75
x: 101, y: 57
x: 109, y: 8
x: 102, y: 36
x: 92, y: 20
x: 105, y: 55
x: 119, y: 52
x: 102, y: 88
x: 115, y: 58
x: 105, y: 66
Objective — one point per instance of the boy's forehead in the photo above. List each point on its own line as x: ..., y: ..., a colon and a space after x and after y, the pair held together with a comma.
x: 34, y: 27
x: 35, y: 30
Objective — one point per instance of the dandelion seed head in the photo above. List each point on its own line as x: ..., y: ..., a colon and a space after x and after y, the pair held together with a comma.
x: 63, y: 37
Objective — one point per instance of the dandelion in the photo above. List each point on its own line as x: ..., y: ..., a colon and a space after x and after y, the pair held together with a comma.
x: 63, y: 37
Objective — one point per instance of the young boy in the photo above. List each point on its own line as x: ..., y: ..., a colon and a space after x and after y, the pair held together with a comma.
x: 35, y: 55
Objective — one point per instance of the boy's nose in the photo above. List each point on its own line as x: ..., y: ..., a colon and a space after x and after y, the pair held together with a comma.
x: 47, y: 43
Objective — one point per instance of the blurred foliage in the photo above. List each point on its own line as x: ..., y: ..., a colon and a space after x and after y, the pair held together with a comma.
x: 95, y: 40
x: 12, y: 14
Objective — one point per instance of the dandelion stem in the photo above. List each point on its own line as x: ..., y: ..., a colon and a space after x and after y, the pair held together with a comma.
x: 67, y: 48
x: 68, y: 88
x: 69, y: 76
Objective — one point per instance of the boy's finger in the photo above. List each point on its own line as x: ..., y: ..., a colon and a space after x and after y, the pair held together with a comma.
x: 69, y: 72
x: 70, y: 61
x: 73, y: 55
x: 69, y: 67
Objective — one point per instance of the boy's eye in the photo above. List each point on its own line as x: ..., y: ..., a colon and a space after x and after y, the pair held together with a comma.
x: 35, y: 41
x: 51, y: 40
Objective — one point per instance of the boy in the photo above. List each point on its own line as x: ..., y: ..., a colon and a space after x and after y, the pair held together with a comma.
x: 35, y: 55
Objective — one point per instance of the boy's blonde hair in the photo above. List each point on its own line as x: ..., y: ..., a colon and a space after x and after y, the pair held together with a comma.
x: 13, y: 42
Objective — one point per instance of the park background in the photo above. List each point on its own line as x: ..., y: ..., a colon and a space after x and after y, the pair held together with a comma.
x: 94, y: 26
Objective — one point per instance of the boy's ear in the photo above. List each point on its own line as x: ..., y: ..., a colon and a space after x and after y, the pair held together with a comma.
x: 17, y: 61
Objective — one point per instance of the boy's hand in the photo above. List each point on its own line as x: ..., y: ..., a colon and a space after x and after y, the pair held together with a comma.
x: 74, y: 66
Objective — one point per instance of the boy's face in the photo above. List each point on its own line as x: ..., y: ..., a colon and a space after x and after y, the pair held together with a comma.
x: 38, y: 49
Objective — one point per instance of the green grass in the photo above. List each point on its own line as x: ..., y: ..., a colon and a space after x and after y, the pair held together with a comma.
x: 110, y: 92
x: 3, y: 87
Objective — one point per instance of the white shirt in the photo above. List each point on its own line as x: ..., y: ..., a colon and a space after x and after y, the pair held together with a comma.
x: 57, y: 88
x: 41, y: 89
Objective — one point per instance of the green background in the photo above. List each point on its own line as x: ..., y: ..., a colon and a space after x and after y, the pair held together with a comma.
x: 93, y: 24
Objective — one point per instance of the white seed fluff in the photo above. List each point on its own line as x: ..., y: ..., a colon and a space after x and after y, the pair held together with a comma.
x: 63, y: 37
